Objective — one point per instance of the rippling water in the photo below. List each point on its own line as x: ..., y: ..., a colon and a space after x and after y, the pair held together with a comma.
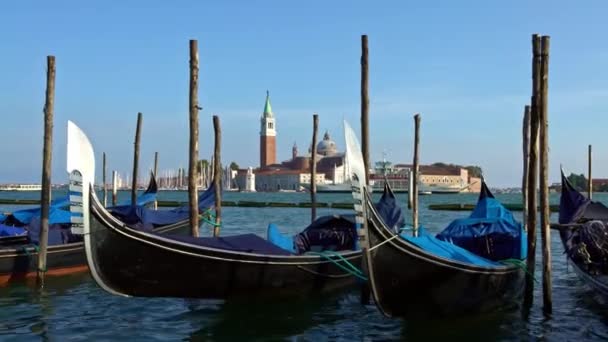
x: 74, y: 308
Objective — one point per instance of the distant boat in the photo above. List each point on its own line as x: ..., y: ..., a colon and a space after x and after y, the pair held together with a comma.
x: 20, y: 187
x: 329, y: 188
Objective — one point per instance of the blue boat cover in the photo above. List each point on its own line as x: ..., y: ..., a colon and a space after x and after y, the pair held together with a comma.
x: 146, y: 219
x: 11, y: 231
x: 246, y: 243
x: 389, y: 209
x: 446, y: 250
x: 490, y: 231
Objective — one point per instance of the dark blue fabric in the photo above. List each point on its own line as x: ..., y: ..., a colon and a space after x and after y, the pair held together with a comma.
x: 153, y: 218
x: 490, y: 231
x: 574, y: 207
x: 389, y: 209
x: 59, y: 234
x: 247, y: 243
x: 572, y: 203
x: 148, y: 196
x: 11, y: 231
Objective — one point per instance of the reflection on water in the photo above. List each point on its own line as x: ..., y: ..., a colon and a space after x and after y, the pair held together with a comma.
x: 74, y: 307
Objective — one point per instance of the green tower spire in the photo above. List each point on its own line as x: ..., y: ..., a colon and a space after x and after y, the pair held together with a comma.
x: 267, y: 107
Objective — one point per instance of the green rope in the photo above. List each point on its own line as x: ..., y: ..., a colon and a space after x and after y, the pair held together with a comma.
x: 520, y: 264
x: 349, y: 268
x: 209, y: 218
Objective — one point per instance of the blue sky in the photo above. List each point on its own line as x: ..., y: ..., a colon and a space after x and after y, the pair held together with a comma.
x: 465, y: 65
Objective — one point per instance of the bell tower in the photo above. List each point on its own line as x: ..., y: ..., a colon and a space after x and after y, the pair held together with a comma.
x: 268, y: 134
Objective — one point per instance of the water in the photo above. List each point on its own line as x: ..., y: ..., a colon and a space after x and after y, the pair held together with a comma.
x: 74, y: 308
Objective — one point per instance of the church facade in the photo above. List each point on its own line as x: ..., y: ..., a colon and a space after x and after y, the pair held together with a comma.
x: 292, y: 174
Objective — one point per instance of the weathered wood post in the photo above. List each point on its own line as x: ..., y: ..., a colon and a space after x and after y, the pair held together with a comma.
x: 589, y: 181
x: 416, y: 172
x: 136, y: 160
x: 156, y: 176
x: 365, y: 289
x: 217, y: 174
x: 526, y: 159
x: 544, y: 174
x: 103, y: 181
x: 365, y: 106
x: 47, y: 149
x: 192, y: 190
x: 533, y: 172
x: 313, y: 169
x: 114, y: 188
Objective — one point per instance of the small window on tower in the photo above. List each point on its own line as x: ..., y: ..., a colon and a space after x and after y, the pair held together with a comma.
x: 270, y: 125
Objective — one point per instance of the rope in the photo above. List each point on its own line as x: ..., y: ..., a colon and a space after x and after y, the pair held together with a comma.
x: 391, y: 238
x: 351, y: 269
x: 520, y: 264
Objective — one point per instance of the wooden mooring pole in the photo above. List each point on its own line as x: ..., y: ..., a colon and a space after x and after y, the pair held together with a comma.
x: 217, y: 174
x: 365, y: 288
x: 313, y: 169
x: 103, y: 181
x: 533, y: 172
x: 193, y: 156
x: 136, y: 160
x: 526, y: 161
x: 156, y: 176
x: 114, y: 188
x: 544, y: 174
x: 415, y: 173
x: 590, y: 178
x: 45, y: 195
x: 365, y: 106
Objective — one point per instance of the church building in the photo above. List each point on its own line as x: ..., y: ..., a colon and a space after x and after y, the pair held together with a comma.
x: 292, y: 174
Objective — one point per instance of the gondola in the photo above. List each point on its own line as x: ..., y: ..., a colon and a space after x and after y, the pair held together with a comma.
x: 584, y: 235
x: 129, y: 262
x: 65, y: 254
x: 428, y: 276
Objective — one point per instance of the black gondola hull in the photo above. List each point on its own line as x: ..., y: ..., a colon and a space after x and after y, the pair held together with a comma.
x: 20, y: 261
x: 134, y: 263
x: 409, y: 282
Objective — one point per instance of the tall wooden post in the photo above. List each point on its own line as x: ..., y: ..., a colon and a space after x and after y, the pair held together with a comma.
x: 416, y: 172
x: 365, y: 289
x: 217, y: 174
x: 192, y: 191
x: 313, y: 169
x: 114, y: 188
x: 589, y: 181
x: 136, y: 160
x: 45, y: 196
x: 365, y: 106
x: 103, y: 180
x: 544, y: 174
x: 533, y: 172
x: 156, y: 176
x: 526, y: 156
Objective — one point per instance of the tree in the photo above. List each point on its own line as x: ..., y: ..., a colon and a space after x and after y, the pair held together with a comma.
x: 234, y: 166
x: 579, y: 182
x: 204, y: 163
x: 474, y: 171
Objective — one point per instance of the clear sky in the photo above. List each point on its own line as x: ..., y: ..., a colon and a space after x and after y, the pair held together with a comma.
x: 465, y: 65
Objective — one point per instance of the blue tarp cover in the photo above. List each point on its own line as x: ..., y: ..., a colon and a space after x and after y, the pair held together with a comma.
x: 446, y: 250
x: 148, y: 218
x: 490, y: 231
